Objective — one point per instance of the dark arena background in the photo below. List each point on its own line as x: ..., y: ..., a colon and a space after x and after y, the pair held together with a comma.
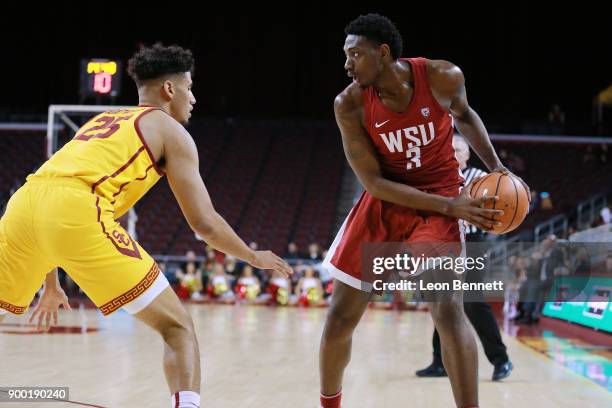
x: 272, y: 159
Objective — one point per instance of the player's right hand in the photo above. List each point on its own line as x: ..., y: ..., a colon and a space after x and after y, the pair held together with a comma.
x: 269, y: 260
x: 47, y: 307
x: 472, y: 209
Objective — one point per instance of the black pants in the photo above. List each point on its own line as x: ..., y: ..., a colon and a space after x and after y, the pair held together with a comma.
x: 484, y: 322
x: 481, y: 317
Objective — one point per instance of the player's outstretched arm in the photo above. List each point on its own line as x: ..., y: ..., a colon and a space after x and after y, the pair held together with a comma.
x: 362, y: 157
x: 182, y: 169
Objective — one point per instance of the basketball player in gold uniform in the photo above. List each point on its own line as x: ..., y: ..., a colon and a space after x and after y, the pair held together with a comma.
x: 64, y: 215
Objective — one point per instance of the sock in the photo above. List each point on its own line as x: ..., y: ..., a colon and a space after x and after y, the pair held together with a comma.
x: 331, y: 401
x: 186, y: 399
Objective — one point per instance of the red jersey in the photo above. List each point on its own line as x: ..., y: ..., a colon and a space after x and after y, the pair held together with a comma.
x: 414, y: 147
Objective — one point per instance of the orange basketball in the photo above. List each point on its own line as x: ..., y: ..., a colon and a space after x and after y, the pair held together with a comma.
x: 513, y: 199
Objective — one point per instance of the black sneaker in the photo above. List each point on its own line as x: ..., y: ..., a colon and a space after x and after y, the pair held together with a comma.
x: 502, y: 371
x: 434, y: 370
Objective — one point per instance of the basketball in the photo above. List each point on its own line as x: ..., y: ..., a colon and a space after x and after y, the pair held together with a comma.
x: 513, y: 199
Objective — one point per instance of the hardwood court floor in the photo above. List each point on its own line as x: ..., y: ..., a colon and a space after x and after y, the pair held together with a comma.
x: 267, y: 357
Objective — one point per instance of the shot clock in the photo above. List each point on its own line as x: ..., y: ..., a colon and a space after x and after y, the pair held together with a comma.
x: 100, y: 78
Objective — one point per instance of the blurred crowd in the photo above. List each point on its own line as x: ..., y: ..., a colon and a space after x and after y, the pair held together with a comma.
x: 536, y: 272
x: 217, y: 277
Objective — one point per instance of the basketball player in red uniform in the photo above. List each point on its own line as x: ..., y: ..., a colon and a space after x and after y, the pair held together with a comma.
x: 396, y: 121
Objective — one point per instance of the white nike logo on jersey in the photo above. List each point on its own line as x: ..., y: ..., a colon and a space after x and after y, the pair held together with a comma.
x: 377, y: 125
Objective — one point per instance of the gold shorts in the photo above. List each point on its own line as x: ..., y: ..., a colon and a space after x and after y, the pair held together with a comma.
x: 51, y: 222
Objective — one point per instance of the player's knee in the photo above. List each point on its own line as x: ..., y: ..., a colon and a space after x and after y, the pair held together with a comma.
x: 449, y: 314
x: 180, y: 327
x: 340, y: 322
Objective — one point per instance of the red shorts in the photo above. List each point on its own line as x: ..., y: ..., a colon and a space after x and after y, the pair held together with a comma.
x: 375, y: 221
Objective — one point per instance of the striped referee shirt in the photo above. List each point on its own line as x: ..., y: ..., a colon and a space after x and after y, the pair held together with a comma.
x: 469, y: 174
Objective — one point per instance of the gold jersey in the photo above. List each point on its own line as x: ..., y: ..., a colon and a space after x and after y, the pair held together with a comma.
x: 110, y: 155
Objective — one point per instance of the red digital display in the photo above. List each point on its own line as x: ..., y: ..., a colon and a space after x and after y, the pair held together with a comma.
x: 101, y: 77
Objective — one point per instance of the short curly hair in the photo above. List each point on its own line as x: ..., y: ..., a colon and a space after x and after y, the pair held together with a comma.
x: 378, y: 29
x: 159, y: 60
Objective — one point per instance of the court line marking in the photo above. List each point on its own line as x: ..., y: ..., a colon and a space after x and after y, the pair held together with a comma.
x: 548, y: 358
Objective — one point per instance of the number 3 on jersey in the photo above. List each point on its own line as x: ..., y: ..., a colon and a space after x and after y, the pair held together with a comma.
x: 107, y: 125
x: 414, y: 154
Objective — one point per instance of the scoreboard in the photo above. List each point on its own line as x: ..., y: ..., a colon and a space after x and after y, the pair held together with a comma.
x: 99, y: 78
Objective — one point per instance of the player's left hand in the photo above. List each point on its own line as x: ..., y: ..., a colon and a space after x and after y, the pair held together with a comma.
x: 504, y: 170
x: 269, y: 260
x: 47, y: 307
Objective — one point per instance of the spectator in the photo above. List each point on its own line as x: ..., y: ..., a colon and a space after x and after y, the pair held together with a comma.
x: 522, y: 264
x: 314, y: 253
x: 292, y: 251
x: 191, y: 256
x: 518, y: 268
x: 231, y: 266
x: 298, y: 270
x: 262, y: 275
x: 326, y: 279
x: 546, y: 201
x: 207, y: 271
x: 309, y: 289
x: 171, y: 276
x: 579, y: 262
x: 190, y: 282
x: 512, y: 260
x: 530, y: 288
x: 552, y: 259
x: 212, y: 254
x: 545, y: 260
x: 279, y: 289
x: 248, y: 286
x: 324, y: 274
x: 219, y: 286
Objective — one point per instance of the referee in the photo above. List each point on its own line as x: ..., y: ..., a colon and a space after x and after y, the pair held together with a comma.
x: 479, y: 313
